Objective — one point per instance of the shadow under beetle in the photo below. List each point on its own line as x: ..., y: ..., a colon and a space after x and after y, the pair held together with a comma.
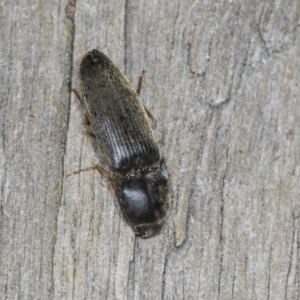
x: 120, y: 124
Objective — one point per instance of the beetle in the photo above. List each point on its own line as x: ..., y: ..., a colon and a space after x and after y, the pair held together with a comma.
x: 121, y: 126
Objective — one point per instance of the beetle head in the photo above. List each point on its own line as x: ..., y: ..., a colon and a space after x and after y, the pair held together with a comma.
x: 144, y: 200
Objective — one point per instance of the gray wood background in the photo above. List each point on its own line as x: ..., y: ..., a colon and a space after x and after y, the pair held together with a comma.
x: 222, y: 80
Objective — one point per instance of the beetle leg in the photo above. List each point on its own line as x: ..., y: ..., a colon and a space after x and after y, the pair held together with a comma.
x: 138, y: 90
x: 103, y: 171
x: 95, y: 167
x: 77, y: 95
x: 139, y: 87
x: 87, y: 123
x: 150, y: 116
x: 88, y: 126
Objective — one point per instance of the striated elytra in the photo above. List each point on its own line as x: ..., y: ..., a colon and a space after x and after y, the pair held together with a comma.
x: 123, y: 133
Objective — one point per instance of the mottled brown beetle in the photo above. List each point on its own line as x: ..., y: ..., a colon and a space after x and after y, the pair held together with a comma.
x: 120, y: 123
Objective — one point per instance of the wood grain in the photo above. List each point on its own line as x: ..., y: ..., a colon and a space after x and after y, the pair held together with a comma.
x: 222, y: 80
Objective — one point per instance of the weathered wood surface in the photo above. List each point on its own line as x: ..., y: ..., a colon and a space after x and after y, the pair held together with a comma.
x: 222, y: 80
